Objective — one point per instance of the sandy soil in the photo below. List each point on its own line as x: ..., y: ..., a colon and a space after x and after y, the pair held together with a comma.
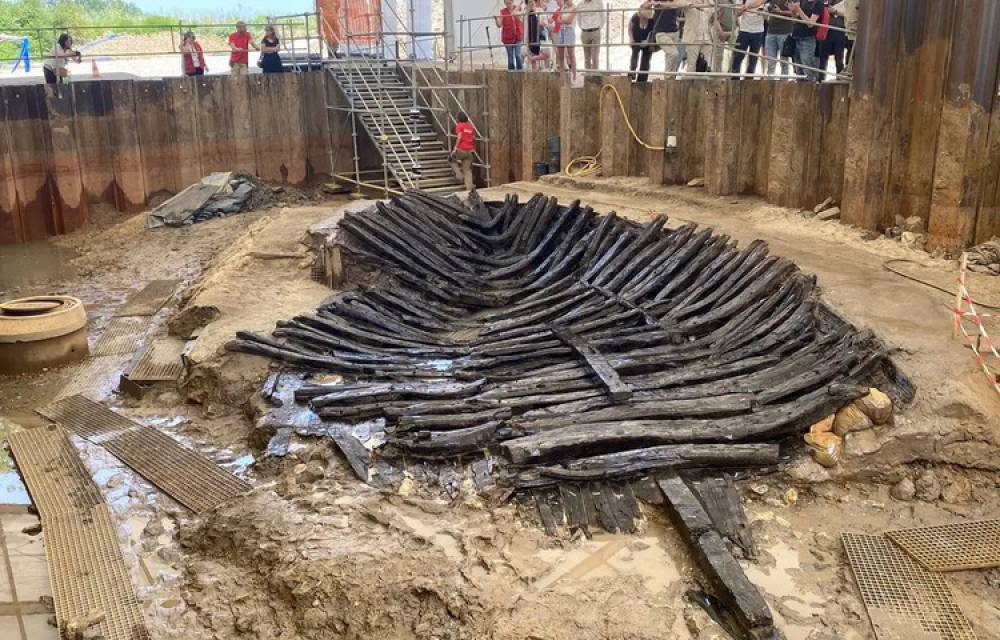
x: 313, y: 553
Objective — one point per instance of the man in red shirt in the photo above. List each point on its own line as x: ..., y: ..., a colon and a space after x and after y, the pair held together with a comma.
x: 465, y: 146
x: 240, y: 42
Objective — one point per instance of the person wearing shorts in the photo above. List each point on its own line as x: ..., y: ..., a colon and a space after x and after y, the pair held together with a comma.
x: 565, y: 39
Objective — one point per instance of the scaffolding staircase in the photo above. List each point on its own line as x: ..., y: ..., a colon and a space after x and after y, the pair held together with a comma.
x: 383, y: 107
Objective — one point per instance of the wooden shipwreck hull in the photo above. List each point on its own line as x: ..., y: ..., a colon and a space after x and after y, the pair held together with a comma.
x: 583, y: 350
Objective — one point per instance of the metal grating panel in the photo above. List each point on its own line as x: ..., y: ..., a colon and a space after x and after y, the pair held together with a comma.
x: 85, y: 561
x: 186, y: 476
x: 121, y: 336
x: 91, y: 377
x: 149, y: 299
x: 56, y: 479
x: 85, y: 417
x: 161, y: 361
x: 952, y: 547
x: 904, y: 600
x: 88, y: 572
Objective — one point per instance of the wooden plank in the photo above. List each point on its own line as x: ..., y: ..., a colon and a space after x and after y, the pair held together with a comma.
x: 616, y: 141
x: 68, y: 200
x: 866, y: 171
x: 658, y: 129
x: 157, y: 133
x: 677, y: 92
x: 516, y: 107
x: 185, y: 155
x: 639, y: 105
x: 721, y: 500
x: 722, y: 137
x: 579, y: 126
x: 617, y: 390
x: 29, y: 143
x: 833, y: 99
x: 781, y: 173
x: 546, y: 511
x: 94, y: 144
x: 501, y: 124
x: 988, y: 216
x: 970, y: 90
x: 765, y: 118
x: 215, y: 128
x: 312, y: 109
x: 293, y: 130
x: 572, y: 500
x: 734, y: 590
x: 803, y: 156
x: 358, y: 457
x: 130, y: 189
x: 534, y: 144
x: 10, y: 213
x: 245, y: 135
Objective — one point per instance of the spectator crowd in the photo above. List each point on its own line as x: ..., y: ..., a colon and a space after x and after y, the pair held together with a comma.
x: 789, y: 39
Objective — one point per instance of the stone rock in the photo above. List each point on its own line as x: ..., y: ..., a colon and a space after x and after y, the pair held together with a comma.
x: 32, y: 529
x: 868, y: 235
x: 115, y: 481
x: 806, y: 469
x: 850, y: 419
x: 696, y: 182
x: 958, y: 491
x: 861, y: 443
x: 899, y: 220
x: 823, y: 206
x: 154, y: 528
x: 833, y: 213
x: 904, y: 490
x: 340, y: 522
x: 192, y: 319
x: 760, y: 488
x: 876, y: 405
x: 823, y: 426
x: 913, y: 240
x: 313, y: 472
x: 894, y: 232
x: 827, y: 448
x: 928, y: 487
x: 791, y: 497
x: 914, y: 224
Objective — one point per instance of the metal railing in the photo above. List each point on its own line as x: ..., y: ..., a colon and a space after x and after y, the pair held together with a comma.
x: 615, y: 36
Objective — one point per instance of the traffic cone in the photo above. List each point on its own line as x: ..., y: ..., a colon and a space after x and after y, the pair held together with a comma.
x: 93, y: 70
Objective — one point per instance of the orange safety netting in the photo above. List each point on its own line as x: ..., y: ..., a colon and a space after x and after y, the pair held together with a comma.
x: 340, y: 17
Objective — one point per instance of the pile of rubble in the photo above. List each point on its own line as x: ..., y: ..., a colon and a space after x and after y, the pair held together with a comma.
x: 215, y: 196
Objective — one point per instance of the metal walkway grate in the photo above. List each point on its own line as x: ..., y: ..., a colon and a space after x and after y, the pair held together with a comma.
x: 952, y: 547
x: 56, y: 479
x: 148, y: 300
x: 85, y: 417
x: 186, y: 476
x: 88, y: 573
x: 121, y: 336
x: 904, y: 600
x: 161, y: 361
x: 85, y: 561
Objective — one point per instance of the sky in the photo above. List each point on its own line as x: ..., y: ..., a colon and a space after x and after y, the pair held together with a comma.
x: 197, y: 8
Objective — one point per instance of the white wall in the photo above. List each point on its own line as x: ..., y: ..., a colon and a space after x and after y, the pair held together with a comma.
x: 475, y: 33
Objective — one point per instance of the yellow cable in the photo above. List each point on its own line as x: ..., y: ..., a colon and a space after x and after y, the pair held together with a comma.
x: 590, y: 165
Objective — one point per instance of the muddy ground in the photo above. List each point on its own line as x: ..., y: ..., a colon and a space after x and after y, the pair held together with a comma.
x: 313, y: 553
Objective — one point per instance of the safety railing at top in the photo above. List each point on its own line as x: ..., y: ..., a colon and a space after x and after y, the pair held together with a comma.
x: 614, y: 34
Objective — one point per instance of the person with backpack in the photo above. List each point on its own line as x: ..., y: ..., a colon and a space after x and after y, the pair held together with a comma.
x: 511, y: 34
x: 778, y: 32
x: 810, y: 12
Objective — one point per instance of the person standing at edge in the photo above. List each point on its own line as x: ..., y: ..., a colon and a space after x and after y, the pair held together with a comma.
x: 192, y: 57
x: 750, y: 38
x: 723, y: 33
x: 240, y: 42
x: 696, y: 36
x: 805, y: 35
x: 778, y: 30
x: 591, y: 17
x: 54, y: 69
x: 665, y: 30
x: 640, y: 29
x: 511, y: 34
x: 465, y: 146
x: 270, y: 59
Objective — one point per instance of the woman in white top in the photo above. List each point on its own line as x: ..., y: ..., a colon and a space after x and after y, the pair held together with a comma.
x: 54, y: 68
x: 565, y: 39
x: 750, y: 37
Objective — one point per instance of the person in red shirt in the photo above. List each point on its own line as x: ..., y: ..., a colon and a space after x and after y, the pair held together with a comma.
x: 240, y: 42
x: 511, y: 34
x: 465, y: 147
x: 192, y: 58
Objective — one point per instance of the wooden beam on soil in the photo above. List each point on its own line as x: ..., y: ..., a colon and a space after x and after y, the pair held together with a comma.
x: 617, y: 390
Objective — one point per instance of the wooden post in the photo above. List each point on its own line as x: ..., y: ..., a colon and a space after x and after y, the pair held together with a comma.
x: 69, y: 205
x: 92, y: 104
x: 187, y: 153
x: 502, y: 123
x: 29, y: 144
x: 10, y: 214
x: 130, y: 189
x: 157, y: 130
x: 866, y: 171
x: 616, y: 141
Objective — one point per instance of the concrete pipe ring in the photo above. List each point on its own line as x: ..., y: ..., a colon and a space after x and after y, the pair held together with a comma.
x: 40, y: 332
